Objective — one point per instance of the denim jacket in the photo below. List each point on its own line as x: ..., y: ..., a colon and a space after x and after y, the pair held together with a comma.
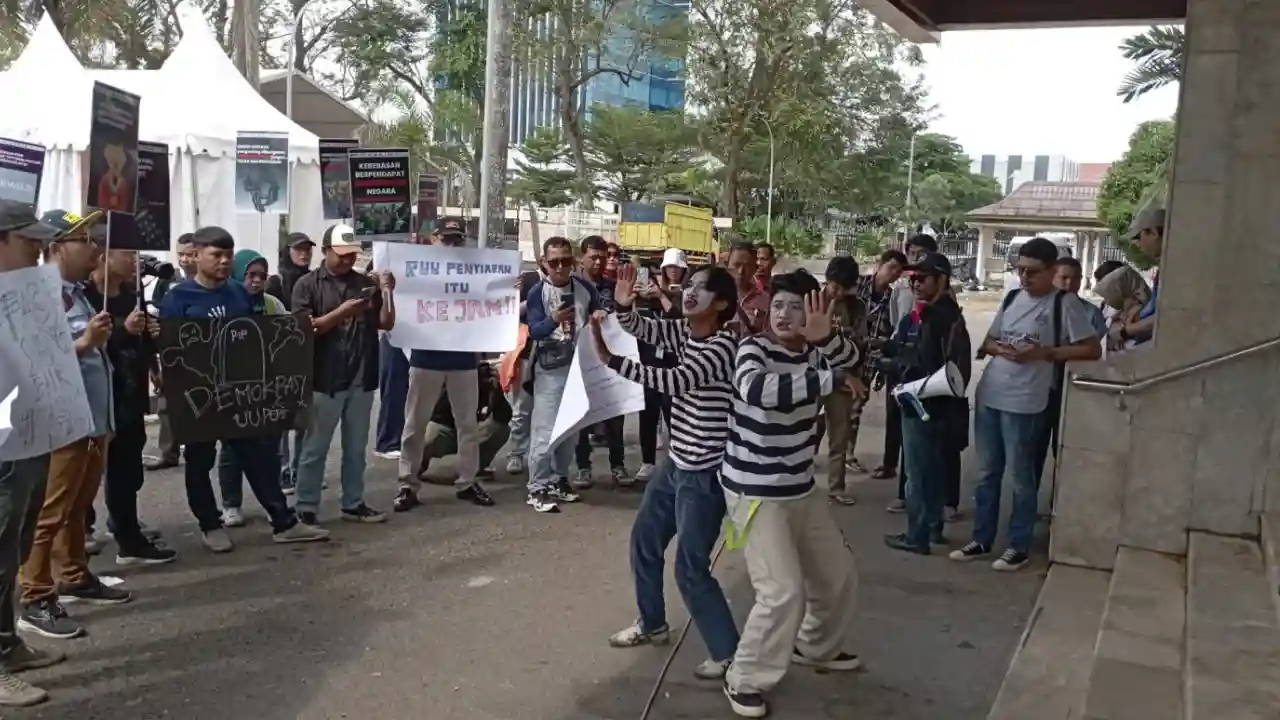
x: 94, y: 365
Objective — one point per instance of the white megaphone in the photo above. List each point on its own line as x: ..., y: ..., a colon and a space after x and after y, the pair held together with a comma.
x: 946, y: 382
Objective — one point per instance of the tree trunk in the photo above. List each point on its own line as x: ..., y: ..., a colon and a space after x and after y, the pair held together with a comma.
x: 570, y: 118
x: 729, y: 189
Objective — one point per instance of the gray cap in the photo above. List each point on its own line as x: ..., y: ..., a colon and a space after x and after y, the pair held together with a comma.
x: 1152, y: 219
x: 19, y: 217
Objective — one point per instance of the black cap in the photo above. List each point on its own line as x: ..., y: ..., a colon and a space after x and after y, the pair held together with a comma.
x: 300, y: 239
x: 19, y: 217
x: 932, y: 264
x: 447, y: 226
x: 69, y: 223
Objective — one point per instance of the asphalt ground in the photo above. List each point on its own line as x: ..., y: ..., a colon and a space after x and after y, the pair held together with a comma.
x: 454, y: 612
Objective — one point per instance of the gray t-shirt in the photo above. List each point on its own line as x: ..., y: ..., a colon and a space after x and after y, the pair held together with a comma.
x: 1024, y: 388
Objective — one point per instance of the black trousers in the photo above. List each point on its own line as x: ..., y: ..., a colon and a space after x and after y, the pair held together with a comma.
x: 260, y: 459
x: 613, y: 437
x: 655, y: 403
x: 892, y: 435
x: 123, y: 481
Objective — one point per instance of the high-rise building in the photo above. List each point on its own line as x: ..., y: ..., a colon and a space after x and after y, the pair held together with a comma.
x: 1013, y: 170
x: 655, y: 83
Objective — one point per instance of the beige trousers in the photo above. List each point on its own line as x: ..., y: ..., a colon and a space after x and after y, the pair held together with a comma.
x: 806, y: 588
x: 425, y: 387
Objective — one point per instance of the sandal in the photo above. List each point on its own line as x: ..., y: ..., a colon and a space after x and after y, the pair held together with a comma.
x: 884, y: 473
x: 840, y: 498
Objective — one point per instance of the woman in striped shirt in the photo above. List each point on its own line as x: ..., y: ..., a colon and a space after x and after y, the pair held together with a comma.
x: 802, y: 571
x: 683, y: 497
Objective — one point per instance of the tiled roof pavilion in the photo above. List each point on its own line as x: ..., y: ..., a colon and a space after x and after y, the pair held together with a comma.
x: 1049, y: 205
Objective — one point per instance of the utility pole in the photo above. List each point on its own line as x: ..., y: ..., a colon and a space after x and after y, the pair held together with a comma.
x: 497, y: 111
x: 245, y: 42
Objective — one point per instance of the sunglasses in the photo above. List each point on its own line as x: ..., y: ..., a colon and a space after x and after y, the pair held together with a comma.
x: 559, y: 263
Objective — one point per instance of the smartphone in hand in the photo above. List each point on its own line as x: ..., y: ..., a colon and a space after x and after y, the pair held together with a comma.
x: 369, y: 293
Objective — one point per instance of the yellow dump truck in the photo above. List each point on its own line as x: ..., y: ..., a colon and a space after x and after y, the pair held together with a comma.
x: 673, y: 222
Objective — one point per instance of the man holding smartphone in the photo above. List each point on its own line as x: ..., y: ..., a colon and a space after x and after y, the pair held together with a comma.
x: 347, y: 311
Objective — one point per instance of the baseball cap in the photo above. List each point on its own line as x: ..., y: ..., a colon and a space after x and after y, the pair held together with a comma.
x: 300, y: 239
x: 69, y: 223
x: 20, y: 218
x: 932, y: 264
x: 676, y: 257
x: 1153, y: 219
x: 341, y: 239
x: 446, y: 226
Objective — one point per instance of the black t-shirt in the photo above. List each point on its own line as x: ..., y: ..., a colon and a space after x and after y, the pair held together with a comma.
x: 346, y: 357
x: 131, y: 356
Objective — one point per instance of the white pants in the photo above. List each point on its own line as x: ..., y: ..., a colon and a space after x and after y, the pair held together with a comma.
x: 424, y: 392
x: 806, y: 588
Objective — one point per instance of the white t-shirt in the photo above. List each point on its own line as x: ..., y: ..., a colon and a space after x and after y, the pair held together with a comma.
x: 1024, y: 387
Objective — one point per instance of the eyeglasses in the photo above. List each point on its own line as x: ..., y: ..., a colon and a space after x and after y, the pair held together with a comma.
x: 559, y: 262
x: 1024, y: 270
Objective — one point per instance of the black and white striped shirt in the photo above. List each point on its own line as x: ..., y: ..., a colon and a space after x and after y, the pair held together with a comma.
x: 700, y: 387
x: 774, y: 433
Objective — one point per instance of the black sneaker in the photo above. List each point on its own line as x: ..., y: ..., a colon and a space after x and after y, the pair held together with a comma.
x: 309, y: 518
x: 364, y: 514
x: 938, y: 538
x: 148, y: 553
x: 23, y: 657
x: 288, y: 482
x: 971, y: 551
x: 844, y: 662
x: 542, y: 501
x: 900, y: 542
x: 406, y: 500
x: 562, y: 491
x: 93, y: 592
x: 1010, y: 560
x: 47, y: 617
x: 475, y: 495
x: 744, y: 704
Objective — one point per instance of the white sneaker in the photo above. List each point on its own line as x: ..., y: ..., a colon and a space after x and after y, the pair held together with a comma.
x: 633, y: 636
x: 712, y: 669
x: 232, y: 517
x: 582, y: 480
x: 645, y: 472
x: 218, y: 541
x: 300, y: 533
x: 515, y: 464
x: 391, y: 455
x: 16, y: 692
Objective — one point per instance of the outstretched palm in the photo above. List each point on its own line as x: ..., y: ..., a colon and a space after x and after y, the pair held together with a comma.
x: 624, y: 291
x: 817, y: 323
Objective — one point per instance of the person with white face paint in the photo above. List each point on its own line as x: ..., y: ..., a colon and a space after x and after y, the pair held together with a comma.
x: 800, y: 567
x: 683, y: 497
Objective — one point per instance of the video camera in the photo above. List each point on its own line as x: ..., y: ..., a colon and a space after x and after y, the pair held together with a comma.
x: 892, y: 357
x: 152, y: 266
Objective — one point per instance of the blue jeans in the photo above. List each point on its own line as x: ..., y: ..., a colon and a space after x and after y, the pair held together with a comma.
x: 289, y: 457
x: 260, y: 459
x: 926, y: 480
x: 689, y: 505
x: 393, y: 388
x: 521, y: 412
x: 1006, y: 439
x: 547, y: 463
x: 231, y: 474
x: 353, y: 408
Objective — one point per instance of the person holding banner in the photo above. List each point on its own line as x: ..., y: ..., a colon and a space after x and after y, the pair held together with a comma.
x: 683, y: 497
x: 430, y: 373
x: 75, y: 470
x: 558, y: 309
x: 594, y: 253
x: 928, y: 339
x: 800, y: 567
x: 170, y: 451
x: 211, y: 294
x: 22, y: 491
x: 347, y: 311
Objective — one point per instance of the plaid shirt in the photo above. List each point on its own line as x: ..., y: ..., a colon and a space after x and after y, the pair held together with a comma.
x: 879, y: 322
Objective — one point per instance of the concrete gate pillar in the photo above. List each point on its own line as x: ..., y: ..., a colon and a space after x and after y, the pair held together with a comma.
x: 1201, y: 451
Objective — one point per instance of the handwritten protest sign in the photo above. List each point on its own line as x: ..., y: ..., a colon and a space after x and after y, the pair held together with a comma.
x: 593, y: 391
x: 451, y: 298
x: 235, y: 377
x: 6, y: 415
x: 38, y: 357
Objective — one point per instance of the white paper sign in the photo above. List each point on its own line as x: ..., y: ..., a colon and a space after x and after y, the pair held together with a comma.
x: 593, y: 391
x: 447, y: 298
x: 6, y: 414
x: 37, y: 357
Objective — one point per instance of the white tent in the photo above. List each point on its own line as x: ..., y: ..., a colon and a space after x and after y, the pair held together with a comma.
x: 196, y: 104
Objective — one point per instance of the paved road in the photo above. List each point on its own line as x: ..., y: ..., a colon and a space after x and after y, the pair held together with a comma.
x: 461, y: 613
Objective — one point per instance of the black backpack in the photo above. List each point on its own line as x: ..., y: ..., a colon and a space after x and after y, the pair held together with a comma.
x: 1059, y: 368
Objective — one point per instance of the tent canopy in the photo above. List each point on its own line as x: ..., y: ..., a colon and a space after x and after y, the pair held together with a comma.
x: 46, y: 94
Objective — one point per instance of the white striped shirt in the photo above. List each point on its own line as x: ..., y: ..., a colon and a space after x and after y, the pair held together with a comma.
x: 700, y: 387
x: 773, y: 437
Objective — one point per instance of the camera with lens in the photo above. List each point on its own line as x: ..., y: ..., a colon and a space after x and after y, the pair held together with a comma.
x: 894, y: 358
x: 152, y: 266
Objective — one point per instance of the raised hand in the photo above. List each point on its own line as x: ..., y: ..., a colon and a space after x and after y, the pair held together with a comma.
x: 817, y: 324
x: 624, y: 292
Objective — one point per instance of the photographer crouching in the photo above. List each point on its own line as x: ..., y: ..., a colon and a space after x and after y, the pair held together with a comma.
x: 935, y: 425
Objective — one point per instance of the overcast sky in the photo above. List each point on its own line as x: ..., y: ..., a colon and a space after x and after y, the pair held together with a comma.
x: 1038, y: 92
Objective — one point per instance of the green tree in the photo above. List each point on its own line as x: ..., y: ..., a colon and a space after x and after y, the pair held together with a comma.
x: 1136, y: 181
x: 788, y: 237
x: 944, y: 198
x: 1157, y: 54
x: 631, y: 151
x: 544, y: 176
x: 583, y: 41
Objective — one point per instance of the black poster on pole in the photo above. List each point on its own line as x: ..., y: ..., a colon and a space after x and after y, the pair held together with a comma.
x: 235, y: 377
x: 113, y: 149
x: 335, y: 177
x: 428, y: 203
x: 381, y: 205
x: 148, y: 228
x: 21, y: 165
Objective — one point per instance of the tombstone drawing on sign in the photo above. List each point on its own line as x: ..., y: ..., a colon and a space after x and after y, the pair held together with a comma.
x: 235, y: 377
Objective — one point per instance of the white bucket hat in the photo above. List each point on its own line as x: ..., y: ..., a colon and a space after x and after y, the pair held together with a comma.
x: 674, y: 256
